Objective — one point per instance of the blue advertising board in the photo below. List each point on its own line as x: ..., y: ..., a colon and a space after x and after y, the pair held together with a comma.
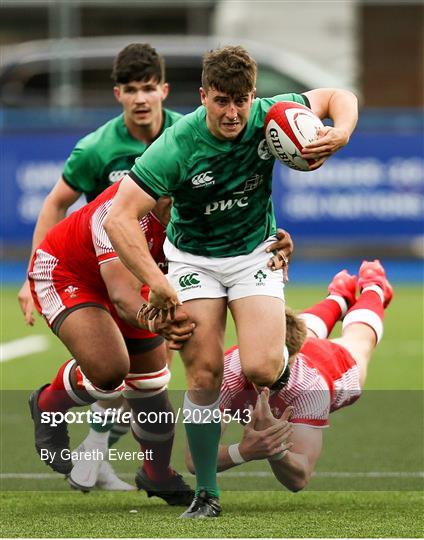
x: 371, y: 190
x: 30, y: 166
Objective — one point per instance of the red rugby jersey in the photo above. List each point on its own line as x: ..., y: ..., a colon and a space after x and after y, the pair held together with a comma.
x: 324, y: 378
x: 81, y: 244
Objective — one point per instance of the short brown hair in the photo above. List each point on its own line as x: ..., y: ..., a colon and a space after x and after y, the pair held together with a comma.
x: 138, y: 62
x: 295, y: 331
x: 230, y: 70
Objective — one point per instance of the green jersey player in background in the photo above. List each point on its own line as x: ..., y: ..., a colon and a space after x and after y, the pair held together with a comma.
x: 98, y: 160
x: 215, y: 165
x: 107, y: 154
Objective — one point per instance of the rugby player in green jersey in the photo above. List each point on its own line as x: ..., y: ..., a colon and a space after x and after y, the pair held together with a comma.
x: 97, y: 161
x: 107, y: 154
x: 215, y: 165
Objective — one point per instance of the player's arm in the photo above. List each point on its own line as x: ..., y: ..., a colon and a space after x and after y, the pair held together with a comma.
x: 341, y: 106
x: 54, y: 208
x: 300, y: 450
x: 225, y: 460
x: 255, y: 443
x: 129, y: 205
x: 295, y: 468
x: 124, y: 292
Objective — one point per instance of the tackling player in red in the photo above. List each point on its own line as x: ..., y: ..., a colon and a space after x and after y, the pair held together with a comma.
x: 324, y: 375
x: 92, y: 302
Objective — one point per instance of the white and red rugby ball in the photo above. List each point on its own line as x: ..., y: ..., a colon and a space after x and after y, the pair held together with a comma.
x: 289, y: 127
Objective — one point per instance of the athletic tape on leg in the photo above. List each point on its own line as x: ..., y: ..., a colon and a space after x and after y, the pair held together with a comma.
x: 139, y: 385
x: 94, y: 391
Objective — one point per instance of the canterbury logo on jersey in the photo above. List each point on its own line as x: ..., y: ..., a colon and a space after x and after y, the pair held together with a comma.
x: 114, y: 176
x: 223, y: 205
x: 203, y: 180
x: 188, y: 280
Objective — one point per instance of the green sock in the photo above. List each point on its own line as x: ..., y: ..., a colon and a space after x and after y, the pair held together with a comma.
x: 116, y: 432
x: 203, y: 440
x: 100, y: 428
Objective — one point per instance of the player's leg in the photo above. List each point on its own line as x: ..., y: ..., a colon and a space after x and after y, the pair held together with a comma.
x: 113, y: 431
x: 88, y: 473
x: 256, y: 301
x: 203, y: 359
x: 153, y: 422
x: 205, y: 302
x: 363, y: 323
x: 260, y: 324
x: 321, y: 318
x: 99, y: 365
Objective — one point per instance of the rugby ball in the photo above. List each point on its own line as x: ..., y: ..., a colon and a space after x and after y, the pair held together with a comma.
x: 289, y: 127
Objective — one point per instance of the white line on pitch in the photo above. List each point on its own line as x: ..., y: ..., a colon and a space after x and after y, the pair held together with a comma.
x: 23, y: 347
x: 245, y: 474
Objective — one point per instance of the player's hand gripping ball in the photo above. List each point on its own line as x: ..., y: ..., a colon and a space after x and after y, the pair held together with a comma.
x: 288, y: 128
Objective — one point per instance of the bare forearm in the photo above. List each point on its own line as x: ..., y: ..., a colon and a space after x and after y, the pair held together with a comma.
x: 131, y: 246
x: 128, y: 309
x: 293, y: 471
x: 343, y: 110
x: 49, y: 216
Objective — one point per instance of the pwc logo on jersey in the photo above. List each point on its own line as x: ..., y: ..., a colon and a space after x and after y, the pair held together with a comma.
x: 221, y: 206
x: 114, y: 176
x: 203, y: 179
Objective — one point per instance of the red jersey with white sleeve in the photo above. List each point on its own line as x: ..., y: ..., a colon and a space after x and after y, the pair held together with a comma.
x: 65, y: 269
x: 323, y: 378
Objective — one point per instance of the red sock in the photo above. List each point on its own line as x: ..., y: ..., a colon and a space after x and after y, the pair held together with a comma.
x: 368, y: 310
x: 322, y: 317
x: 59, y: 395
x: 159, y: 446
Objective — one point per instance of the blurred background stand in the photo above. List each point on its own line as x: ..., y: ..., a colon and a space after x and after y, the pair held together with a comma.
x: 367, y: 201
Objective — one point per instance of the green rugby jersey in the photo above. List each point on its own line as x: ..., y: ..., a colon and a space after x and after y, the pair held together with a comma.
x: 221, y: 189
x: 105, y: 155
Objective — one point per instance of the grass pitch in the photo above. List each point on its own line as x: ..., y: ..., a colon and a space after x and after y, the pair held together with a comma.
x: 369, y: 479
x: 246, y: 515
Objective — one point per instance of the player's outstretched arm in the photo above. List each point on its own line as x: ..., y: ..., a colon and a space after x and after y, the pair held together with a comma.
x: 294, y: 469
x: 54, y: 208
x: 341, y: 106
x: 124, y: 292
x: 255, y: 443
x: 130, y: 204
x: 293, y: 465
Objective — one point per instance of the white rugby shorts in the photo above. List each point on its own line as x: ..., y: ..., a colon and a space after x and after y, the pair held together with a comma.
x: 194, y: 276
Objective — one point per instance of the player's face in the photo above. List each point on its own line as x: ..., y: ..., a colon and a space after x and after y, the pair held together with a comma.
x: 142, y: 101
x: 226, y: 116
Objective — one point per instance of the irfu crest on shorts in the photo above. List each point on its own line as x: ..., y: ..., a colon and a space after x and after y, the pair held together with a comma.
x: 260, y: 276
